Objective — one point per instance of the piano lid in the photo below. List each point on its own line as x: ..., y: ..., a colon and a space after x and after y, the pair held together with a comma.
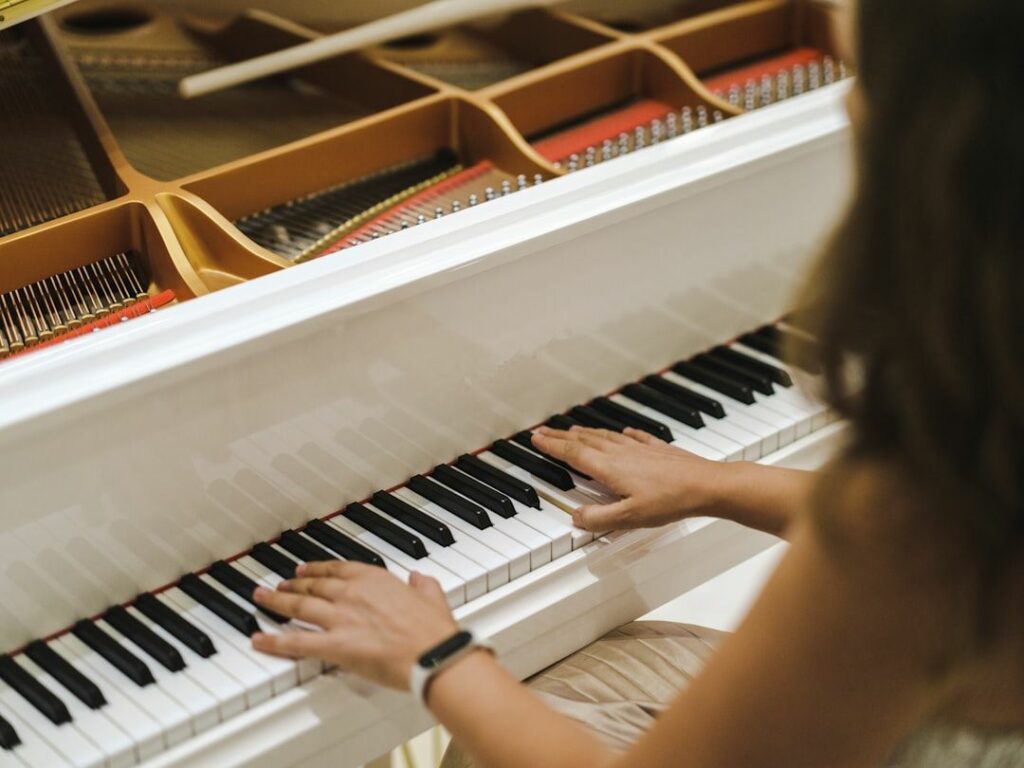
x: 15, y: 11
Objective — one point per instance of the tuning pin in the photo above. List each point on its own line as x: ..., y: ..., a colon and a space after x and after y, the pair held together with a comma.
x: 623, y: 143
x: 506, y: 187
x: 767, y: 96
x: 521, y: 182
x: 671, y: 125
x: 489, y: 193
x: 639, y: 138
x: 799, y: 80
x: 687, y: 115
x: 829, y: 68
x: 405, y: 224
x: 702, y: 116
x: 574, y: 164
x: 438, y: 212
x: 473, y: 200
x: 813, y: 76
x: 717, y: 116
x: 538, y: 179
x: 607, y: 150
x: 557, y: 165
x: 590, y: 157
x: 750, y: 96
x: 782, y: 85
x: 656, y: 131
x: 456, y: 206
x: 421, y: 219
x: 734, y: 95
x: 375, y: 235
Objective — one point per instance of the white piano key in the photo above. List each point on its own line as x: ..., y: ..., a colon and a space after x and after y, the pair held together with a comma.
x: 33, y: 750
x: 567, y: 500
x: 9, y: 759
x: 453, y: 586
x: 284, y: 672
x: 174, y: 721
x: 511, y: 552
x: 144, y: 731
x: 205, y: 672
x: 557, y: 530
x: 767, y: 427
x: 308, y: 668
x: 822, y: 416
x: 241, y: 665
x: 450, y: 558
x: 116, y: 746
x: 200, y: 705
x: 799, y: 421
x: 66, y: 740
x: 712, y: 447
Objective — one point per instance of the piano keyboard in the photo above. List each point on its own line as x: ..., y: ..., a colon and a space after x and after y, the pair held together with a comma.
x: 46, y: 173
x: 618, y: 132
x: 78, y: 301
x: 139, y: 679
x: 776, y: 78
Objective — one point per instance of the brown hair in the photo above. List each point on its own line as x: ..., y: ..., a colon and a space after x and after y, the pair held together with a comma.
x: 918, y: 302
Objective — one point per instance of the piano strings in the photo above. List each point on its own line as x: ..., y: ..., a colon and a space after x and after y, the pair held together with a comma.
x: 46, y: 173
x: 75, y: 302
x: 776, y: 78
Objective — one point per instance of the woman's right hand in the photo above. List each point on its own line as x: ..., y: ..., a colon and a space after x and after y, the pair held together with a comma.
x: 657, y: 483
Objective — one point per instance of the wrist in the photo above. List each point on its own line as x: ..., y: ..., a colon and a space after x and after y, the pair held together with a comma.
x: 440, y: 657
x: 716, y: 496
x: 455, y: 677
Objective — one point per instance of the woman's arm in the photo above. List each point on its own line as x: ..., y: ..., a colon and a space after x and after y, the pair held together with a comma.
x: 660, y: 484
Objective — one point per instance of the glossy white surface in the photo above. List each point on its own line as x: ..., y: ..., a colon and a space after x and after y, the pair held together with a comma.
x: 155, y: 448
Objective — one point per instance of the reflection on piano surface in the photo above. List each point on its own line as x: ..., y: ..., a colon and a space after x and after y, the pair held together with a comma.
x: 168, y: 666
x: 137, y: 467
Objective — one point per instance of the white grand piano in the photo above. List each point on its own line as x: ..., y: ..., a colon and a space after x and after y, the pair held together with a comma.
x: 149, y: 451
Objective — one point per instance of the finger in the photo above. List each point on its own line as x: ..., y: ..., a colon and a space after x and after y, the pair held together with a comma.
x: 331, y: 589
x: 312, y: 610
x: 643, y: 437
x: 293, y: 645
x: 583, y: 457
x: 607, y: 434
x: 600, y: 518
x: 601, y: 439
x: 334, y: 569
x: 428, y: 587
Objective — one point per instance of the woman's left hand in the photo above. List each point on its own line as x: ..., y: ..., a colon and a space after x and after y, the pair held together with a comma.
x: 373, y: 624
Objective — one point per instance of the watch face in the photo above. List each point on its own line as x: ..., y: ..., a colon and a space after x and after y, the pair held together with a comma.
x: 442, y: 651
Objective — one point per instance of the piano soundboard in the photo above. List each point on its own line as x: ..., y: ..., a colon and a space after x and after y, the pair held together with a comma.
x: 333, y: 318
x: 222, y: 189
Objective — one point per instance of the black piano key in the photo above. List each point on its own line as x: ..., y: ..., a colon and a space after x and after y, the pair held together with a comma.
x: 150, y: 642
x: 270, y: 558
x: 218, y: 604
x: 180, y: 628
x: 84, y: 689
x: 535, y: 465
x: 562, y: 422
x: 773, y: 372
x: 416, y: 519
x: 755, y: 381
x: 662, y: 403
x: 130, y: 665
x: 30, y: 689
x: 452, y: 502
x: 484, y: 495
x: 304, y: 549
x: 632, y: 418
x: 241, y: 585
x: 589, y: 417
x: 511, y: 486
x: 9, y: 738
x: 712, y: 380
x: 686, y: 396
x: 397, y: 537
x: 762, y: 343
x: 344, y: 545
x: 525, y: 439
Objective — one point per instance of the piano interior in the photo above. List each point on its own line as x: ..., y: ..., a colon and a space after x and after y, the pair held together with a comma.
x: 106, y: 163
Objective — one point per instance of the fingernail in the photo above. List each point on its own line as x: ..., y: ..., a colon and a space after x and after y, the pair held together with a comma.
x: 260, y: 593
x: 257, y: 638
x: 300, y: 569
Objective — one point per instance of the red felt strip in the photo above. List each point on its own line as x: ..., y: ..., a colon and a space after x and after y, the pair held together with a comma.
x: 770, y: 66
x: 594, y: 133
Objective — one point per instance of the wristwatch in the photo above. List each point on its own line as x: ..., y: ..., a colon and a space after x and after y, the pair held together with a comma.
x: 439, y: 658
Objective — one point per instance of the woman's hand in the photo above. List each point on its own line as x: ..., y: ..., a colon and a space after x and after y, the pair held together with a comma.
x: 658, y: 483
x: 373, y: 624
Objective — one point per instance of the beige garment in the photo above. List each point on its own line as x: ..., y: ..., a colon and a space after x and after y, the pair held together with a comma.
x: 618, y: 685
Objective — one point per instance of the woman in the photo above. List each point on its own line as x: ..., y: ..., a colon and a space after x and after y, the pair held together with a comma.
x: 893, y: 629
